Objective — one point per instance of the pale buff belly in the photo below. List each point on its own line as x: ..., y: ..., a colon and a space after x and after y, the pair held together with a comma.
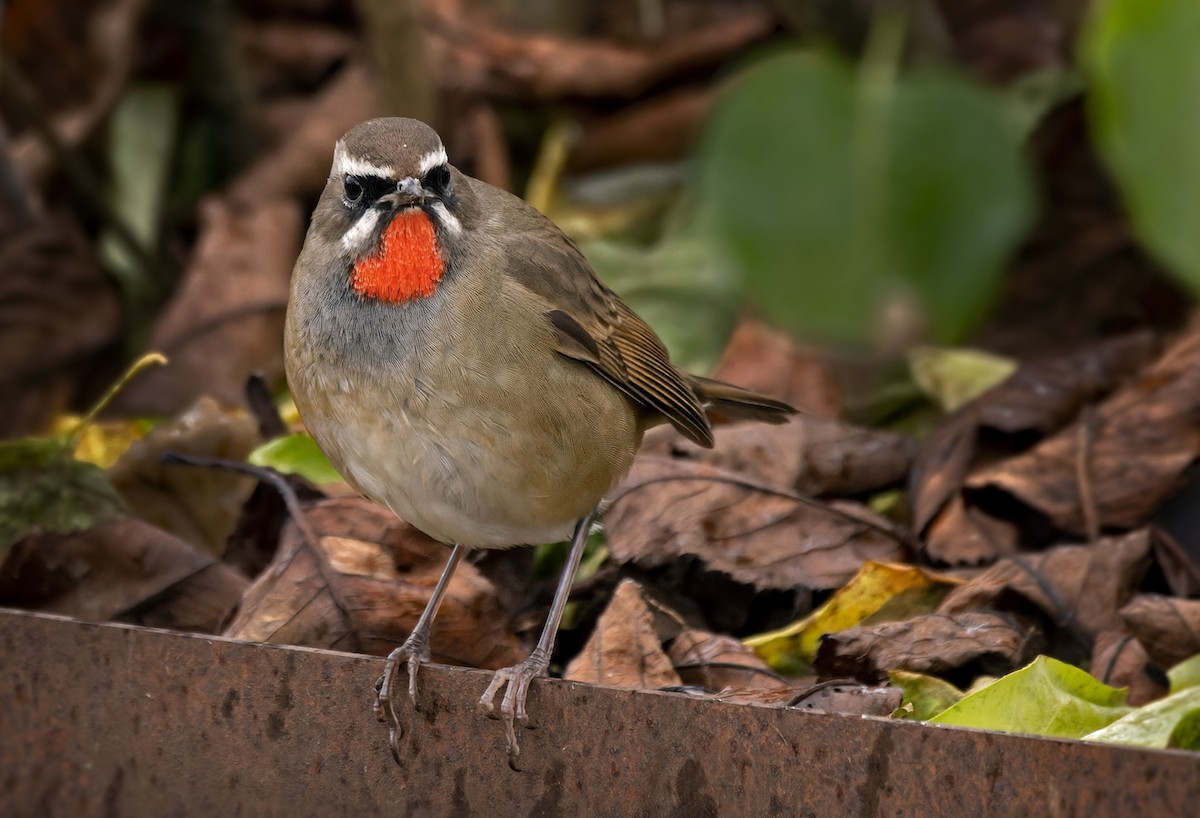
x: 489, y: 460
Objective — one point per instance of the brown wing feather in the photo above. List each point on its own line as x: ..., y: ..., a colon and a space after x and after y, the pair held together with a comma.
x: 595, y: 327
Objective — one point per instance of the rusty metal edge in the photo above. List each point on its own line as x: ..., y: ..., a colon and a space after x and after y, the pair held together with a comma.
x: 99, y: 719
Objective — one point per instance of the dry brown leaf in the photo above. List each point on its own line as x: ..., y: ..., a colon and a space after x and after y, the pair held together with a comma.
x: 1142, y: 438
x: 1168, y: 628
x: 1120, y: 660
x: 717, y: 662
x: 1079, y: 587
x: 252, y: 543
x: 1038, y: 399
x: 966, y: 535
x: 668, y: 507
x: 849, y: 699
x: 116, y: 568
x: 938, y: 643
x: 368, y: 590
x: 810, y: 454
x: 225, y: 322
x: 57, y: 310
x: 767, y: 361
x: 624, y: 650
x: 198, y: 505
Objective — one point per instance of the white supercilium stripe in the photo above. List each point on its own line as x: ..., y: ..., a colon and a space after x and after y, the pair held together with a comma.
x: 355, y: 239
x: 344, y: 163
x: 433, y: 159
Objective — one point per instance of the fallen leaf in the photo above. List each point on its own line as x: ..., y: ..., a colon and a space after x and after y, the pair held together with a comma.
x: 1185, y: 674
x: 668, y: 508
x: 624, y: 650
x: 954, y: 377
x: 848, y: 699
x: 1045, y: 698
x: 225, y: 320
x: 1141, y: 440
x: 43, y: 486
x: 57, y: 311
x: 1169, y: 628
x: 198, y: 505
x: 1079, y: 587
x: 1152, y: 724
x: 102, y: 573
x: 717, y: 662
x: 255, y: 537
x: 904, y: 589
x: 1185, y: 735
x: 366, y: 588
x: 963, y: 534
x: 1039, y: 399
x: 1120, y: 660
x: 295, y: 453
x: 965, y: 643
x: 810, y: 454
x: 927, y: 695
x: 766, y: 360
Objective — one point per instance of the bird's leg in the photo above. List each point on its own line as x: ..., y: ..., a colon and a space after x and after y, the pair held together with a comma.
x: 416, y: 650
x: 518, y: 677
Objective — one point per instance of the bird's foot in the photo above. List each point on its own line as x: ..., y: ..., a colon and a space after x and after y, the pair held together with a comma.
x: 414, y: 651
x: 512, y: 706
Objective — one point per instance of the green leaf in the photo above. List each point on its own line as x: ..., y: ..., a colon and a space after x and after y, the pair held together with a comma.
x: 837, y: 195
x: 43, y: 485
x: 1185, y: 674
x: 1143, y: 65
x: 296, y: 453
x: 1151, y: 725
x: 928, y: 695
x: 143, y: 128
x: 1046, y: 697
x: 1186, y: 733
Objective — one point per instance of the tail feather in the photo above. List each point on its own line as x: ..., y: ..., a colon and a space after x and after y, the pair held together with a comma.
x: 724, y: 402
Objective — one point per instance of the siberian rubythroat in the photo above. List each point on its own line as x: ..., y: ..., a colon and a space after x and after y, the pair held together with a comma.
x: 457, y: 360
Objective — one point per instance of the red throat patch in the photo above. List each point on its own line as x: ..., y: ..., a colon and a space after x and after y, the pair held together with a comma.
x: 406, y: 265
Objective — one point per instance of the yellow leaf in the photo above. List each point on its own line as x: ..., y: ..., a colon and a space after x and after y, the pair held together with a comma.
x: 880, y: 589
x: 954, y: 377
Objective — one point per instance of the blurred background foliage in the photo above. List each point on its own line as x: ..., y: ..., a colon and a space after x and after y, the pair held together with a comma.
x: 871, y: 175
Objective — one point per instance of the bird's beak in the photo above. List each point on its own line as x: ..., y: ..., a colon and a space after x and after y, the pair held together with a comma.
x: 408, y: 193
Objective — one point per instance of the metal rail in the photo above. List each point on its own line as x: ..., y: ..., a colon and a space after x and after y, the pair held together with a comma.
x: 126, y: 721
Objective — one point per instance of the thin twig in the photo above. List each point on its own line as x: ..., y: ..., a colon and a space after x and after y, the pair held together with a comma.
x: 308, y: 537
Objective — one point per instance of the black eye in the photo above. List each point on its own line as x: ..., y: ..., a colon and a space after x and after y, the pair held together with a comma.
x: 353, y: 189
x: 437, y: 178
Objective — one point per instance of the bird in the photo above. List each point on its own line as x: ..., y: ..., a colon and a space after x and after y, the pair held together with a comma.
x: 455, y: 357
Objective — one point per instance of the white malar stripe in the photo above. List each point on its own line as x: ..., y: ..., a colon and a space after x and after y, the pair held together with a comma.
x: 344, y: 163
x: 355, y: 239
x: 448, y: 220
x: 432, y: 159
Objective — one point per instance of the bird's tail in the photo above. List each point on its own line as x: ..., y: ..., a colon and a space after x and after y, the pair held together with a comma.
x: 724, y: 402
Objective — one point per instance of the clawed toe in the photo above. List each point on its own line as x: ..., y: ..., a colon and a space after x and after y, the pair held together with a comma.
x: 515, y: 681
x: 414, y: 651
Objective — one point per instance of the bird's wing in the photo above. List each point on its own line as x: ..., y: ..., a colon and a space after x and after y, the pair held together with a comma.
x: 594, y: 326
